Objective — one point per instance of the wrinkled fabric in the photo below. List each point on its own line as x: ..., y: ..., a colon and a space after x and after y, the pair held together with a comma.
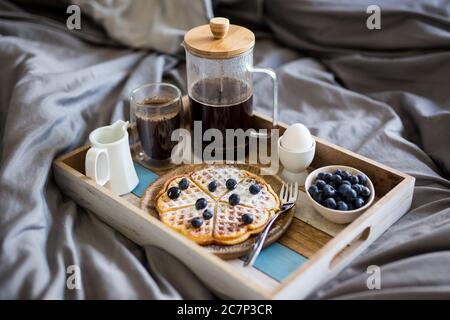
x: 381, y: 93
x: 56, y: 89
x: 153, y: 24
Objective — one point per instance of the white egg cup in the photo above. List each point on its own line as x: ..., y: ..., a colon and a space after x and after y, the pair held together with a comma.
x: 295, y: 163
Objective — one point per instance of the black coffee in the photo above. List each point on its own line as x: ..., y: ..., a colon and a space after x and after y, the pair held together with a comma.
x: 221, y: 103
x: 155, y: 130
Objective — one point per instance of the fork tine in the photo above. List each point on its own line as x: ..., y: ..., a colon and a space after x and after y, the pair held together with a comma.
x: 291, y: 191
x: 291, y: 194
x: 295, y: 195
x: 284, y: 192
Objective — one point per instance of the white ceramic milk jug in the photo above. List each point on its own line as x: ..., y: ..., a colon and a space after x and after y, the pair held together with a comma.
x: 109, y: 158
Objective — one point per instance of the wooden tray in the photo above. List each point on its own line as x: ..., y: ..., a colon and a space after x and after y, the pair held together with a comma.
x: 225, y: 252
x: 311, y: 251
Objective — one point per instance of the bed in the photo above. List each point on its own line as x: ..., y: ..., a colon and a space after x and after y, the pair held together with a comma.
x: 383, y: 93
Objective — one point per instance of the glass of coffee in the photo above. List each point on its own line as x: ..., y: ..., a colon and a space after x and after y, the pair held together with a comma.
x: 155, y: 113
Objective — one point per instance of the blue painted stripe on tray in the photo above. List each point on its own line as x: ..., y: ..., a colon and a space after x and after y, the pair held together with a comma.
x: 278, y: 261
x: 146, y: 177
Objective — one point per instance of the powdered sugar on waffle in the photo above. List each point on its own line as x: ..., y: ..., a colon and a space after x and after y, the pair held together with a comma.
x: 186, y: 198
x: 220, y: 175
x: 264, y: 199
x: 180, y: 220
x: 228, y: 225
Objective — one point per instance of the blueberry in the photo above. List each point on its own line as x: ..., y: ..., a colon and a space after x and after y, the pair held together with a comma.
x: 362, y: 179
x: 318, y: 196
x: 313, y: 189
x: 207, y: 214
x: 234, y: 199
x: 173, y: 193
x: 201, y: 203
x: 343, y: 188
x: 212, y: 186
x: 353, y: 180
x: 247, y: 218
x: 231, y: 184
x: 183, y: 184
x: 338, y: 198
x: 334, y: 185
x: 346, y: 182
x: 350, y: 206
x: 329, y: 191
x: 254, y: 189
x: 365, y: 192
x: 320, y: 175
x: 337, y: 179
x: 329, y: 203
x: 350, y: 195
x: 345, y: 175
x: 341, y: 205
x: 320, y: 184
x: 358, y: 202
x: 338, y: 172
x: 357, y: 188
x: 327, y: 177
x: 197, y: 222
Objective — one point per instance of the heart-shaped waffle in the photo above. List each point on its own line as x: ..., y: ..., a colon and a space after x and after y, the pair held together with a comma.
x: 180, y: 220
x: 219, y: 174
x: 229, y: 227
x: 187, y: 197
x: 266, y: 198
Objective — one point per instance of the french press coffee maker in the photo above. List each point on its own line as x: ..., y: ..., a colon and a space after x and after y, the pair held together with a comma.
x: 219, y: 62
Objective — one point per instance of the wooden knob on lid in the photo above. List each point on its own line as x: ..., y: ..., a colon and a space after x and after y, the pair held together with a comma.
x: 229, y: 40
x: 219, y: 27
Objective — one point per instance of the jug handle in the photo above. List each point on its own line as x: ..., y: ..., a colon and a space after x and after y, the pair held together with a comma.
x: 273, y: 76
x: 97, y: 165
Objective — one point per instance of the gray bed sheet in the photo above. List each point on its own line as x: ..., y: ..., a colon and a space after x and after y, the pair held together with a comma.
x: 384, y: 94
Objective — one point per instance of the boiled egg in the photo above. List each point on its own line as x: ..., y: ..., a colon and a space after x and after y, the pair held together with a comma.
x: 297, y: 138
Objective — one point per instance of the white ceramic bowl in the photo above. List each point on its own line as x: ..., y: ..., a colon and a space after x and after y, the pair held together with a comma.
x: 338, y: 216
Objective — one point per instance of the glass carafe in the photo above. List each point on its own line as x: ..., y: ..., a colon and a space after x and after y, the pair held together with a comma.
x: 219, y: 62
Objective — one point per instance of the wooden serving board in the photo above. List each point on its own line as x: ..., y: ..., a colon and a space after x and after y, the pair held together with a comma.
x: 309, y: 252
x: 225, y: 252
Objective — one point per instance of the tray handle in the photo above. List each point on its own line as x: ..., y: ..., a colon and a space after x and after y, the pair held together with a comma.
x: 347, y: 251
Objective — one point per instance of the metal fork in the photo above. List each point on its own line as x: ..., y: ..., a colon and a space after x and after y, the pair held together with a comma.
x: 288, y: 196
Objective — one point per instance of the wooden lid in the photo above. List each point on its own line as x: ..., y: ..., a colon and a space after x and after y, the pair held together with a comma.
x: 219, y: 39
